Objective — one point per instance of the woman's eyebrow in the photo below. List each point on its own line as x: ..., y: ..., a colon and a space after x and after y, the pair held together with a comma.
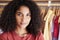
x: 18, y: 12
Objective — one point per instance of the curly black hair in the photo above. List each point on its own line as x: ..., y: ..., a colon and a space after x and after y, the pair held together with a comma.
x: 8, y: 20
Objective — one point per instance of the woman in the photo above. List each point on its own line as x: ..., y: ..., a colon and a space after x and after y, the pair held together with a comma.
x: 21, y: 20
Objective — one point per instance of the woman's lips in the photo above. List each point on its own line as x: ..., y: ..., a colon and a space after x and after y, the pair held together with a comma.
x: 22, y: 23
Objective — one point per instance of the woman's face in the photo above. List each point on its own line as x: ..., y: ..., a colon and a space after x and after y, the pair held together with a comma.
x: 23, y: 17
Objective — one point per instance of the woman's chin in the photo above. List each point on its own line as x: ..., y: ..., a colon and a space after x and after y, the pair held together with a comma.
x: 23, y: 26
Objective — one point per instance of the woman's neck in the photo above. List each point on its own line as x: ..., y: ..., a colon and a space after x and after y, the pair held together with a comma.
x: 21, y: 31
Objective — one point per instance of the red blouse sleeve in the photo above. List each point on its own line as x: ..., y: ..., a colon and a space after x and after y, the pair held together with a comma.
x: 40, y: 37
x: 3, y: 36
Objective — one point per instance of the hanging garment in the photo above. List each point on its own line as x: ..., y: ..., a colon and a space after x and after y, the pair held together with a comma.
x: 48, y: 18
x: 56, y: 28
x: 1, y: 31
x: 59, y: 32
x: 59, y: 29
x: 52, y: 28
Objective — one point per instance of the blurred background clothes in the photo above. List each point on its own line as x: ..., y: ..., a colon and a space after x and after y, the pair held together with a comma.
x: 56, y: 28
x: 48, y: 24
x: 59, y: 33
x: 1, y: 31
x: 51, y: 30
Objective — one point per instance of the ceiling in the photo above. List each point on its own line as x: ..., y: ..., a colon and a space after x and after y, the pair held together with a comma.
x: 33, y: 0
x: 39, y: 2
x: 46, y: 0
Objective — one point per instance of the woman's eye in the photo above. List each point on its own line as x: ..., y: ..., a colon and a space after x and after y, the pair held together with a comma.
x: 29, y: 14
x: 19, y: 14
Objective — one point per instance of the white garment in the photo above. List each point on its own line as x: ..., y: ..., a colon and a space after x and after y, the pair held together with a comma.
x: 47, y: 30
x: 1, y: 31
x: 52, y: 26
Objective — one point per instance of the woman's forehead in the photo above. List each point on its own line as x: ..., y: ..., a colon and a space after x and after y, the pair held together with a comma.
x: 23, y: 9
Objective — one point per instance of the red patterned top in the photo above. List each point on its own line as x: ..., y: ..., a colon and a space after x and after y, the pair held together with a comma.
x: 14, y: 36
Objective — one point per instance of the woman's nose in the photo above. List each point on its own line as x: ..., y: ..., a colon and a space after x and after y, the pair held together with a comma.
x: 23, y: 18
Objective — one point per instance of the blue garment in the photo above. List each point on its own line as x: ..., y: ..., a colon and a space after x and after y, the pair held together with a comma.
x: 54, y: 38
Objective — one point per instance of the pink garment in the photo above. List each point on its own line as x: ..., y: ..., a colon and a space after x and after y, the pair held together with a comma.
x: 14, y: 36
x: 56, y: 27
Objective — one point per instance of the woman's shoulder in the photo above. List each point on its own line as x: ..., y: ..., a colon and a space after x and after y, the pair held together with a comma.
x: 40, y: 36
x: 5, y: 35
